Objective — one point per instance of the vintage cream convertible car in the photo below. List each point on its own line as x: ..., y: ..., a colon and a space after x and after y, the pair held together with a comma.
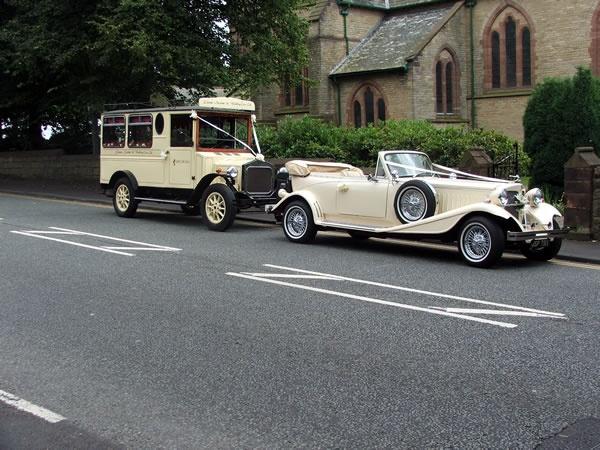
x: 411, y: 198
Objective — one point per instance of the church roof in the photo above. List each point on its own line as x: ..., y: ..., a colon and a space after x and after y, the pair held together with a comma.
x: 404, y: 3
x: 387, y: 4
x: 396, y: 40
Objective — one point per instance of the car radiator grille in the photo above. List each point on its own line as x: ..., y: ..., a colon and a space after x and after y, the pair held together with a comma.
x: 513, y: 204
x: 258, y: 179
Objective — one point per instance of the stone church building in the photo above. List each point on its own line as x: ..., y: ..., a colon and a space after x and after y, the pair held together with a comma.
x: 471, y: 62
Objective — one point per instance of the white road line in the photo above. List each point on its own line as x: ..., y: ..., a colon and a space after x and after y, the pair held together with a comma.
x: 117, y: 239
x: 64, y: 233
x: 374, y: 300
x: 24, y: 405
x: 77, y: 244
x: 419, y: 291
x: 138, y: 249
x: 496, y: 312
x: 285, y: 275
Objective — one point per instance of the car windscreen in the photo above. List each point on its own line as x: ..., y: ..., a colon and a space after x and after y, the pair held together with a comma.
x: 220, y: 134
x: 408, y: 164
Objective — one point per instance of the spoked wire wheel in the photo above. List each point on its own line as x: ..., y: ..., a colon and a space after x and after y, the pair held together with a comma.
x: 298, y: 223
x: 413, y: 204
x: 476, y: 242
x: 481, y: 241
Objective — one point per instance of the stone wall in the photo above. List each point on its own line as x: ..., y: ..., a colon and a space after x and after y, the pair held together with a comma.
x: 49, y: 164
x: 451, y: 37
x: 561, y: 41
x: 582, y: 194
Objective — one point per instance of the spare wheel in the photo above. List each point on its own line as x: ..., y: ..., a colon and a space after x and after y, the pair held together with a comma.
x: 414, y: 201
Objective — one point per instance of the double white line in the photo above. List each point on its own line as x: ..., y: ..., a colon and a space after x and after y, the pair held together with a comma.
x: 459, y: 313
x: 115, y: 249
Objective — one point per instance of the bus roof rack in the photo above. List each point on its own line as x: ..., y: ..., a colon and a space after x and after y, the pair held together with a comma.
x: 129, y: 105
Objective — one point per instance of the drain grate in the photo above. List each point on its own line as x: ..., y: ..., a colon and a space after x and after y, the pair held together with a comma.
x: 581, y: 435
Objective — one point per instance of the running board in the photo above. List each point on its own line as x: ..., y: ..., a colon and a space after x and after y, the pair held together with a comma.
x: 346, y: 226
x: 160, y: 200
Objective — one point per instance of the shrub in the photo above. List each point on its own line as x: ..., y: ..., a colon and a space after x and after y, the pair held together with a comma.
x: 561, y: 115
x: 313, y: 138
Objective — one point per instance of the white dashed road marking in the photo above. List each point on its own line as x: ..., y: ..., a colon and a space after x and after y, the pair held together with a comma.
x: 24, y: 405
x: 458, y: 313
x: 118, y: 250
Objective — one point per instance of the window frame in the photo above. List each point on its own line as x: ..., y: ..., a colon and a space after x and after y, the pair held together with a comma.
x: 497, y: 73
x: 124, y: 125
x: 142, y: 124
x: 442, y: 89
x: 288, y: 93
x: 360, y: 97
x: 223, y: 150
x: 186, y: 115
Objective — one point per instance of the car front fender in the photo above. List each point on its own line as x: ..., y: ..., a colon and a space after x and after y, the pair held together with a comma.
x: 544, y: 213
x: 305, y: 196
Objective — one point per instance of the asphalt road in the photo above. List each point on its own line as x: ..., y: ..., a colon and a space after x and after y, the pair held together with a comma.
x: 184, y: 338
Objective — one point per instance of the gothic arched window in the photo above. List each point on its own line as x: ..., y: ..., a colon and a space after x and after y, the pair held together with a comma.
x: 357, y: 114
x: 509, y: 50
x: 367, y: 106
x: 446, y: 83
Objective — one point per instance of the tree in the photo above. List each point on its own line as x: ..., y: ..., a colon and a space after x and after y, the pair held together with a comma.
x: 62, y: 60
x: 561, y: 114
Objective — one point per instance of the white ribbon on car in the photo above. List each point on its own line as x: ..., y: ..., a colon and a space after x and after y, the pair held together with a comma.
x: 447, y: 173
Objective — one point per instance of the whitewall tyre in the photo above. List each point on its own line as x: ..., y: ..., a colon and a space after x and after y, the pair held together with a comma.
x: 298, y: 223
x: 414, y: 201
x: 481, y: 242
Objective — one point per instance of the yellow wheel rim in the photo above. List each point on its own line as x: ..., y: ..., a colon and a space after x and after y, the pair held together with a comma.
x: 215, y: 207
x: 122, y: 197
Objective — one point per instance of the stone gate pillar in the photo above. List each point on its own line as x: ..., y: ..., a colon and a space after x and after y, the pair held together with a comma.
x: 476, y: 161
x: 582, y: 193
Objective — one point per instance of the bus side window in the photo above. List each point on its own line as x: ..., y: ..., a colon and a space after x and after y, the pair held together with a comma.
x: 140, y: 132
x: 113, y: 132
x: 181, y: 130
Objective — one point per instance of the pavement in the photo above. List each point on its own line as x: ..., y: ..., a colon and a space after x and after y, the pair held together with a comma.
x: 87, y: 191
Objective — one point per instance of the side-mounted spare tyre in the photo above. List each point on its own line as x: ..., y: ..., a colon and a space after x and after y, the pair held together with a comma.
x: 218, y: 207
x: 414, y: 201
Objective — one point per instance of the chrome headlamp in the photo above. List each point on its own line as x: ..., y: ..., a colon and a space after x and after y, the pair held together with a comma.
x: 232, y: 172
x: 535, y: 197
x: 499, y: 197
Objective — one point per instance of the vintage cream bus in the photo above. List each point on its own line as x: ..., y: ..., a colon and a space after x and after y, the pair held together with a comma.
x: 205, y: 158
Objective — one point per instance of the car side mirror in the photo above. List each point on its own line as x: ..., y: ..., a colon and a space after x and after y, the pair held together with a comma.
x: 370, y: 177
x: 395, y: 175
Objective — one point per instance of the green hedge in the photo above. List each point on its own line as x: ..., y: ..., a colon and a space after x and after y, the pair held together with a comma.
x: 561, y: 115
x: 312, y: 138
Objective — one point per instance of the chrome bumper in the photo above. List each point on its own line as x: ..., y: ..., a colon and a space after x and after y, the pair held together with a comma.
x: 517, y: 236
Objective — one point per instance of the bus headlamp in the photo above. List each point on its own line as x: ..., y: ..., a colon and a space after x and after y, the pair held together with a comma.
x: 232, y: 172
